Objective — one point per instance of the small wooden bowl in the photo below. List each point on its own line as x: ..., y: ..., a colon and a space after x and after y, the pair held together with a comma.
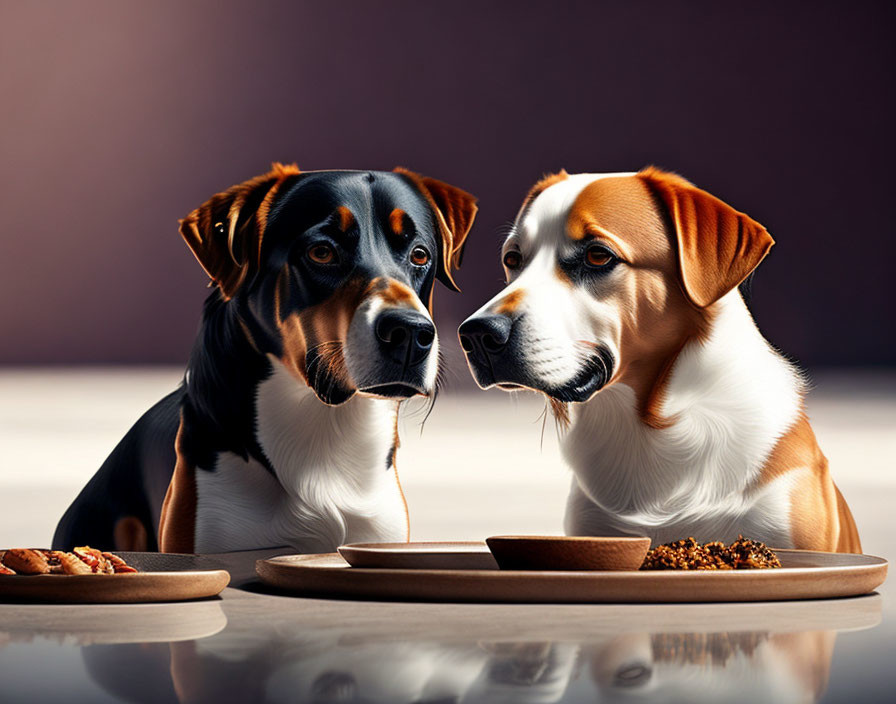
x: 547, y: 552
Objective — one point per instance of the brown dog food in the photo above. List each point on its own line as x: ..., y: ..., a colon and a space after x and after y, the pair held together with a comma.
x: 688, y: 554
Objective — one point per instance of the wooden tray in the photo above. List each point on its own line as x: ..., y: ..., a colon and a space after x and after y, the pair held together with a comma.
x: 804, y: 575
x: 171, y: 583
x: 420, y: 556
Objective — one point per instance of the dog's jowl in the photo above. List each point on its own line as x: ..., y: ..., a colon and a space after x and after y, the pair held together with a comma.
x: 284, y: 430
x: 622, y: 307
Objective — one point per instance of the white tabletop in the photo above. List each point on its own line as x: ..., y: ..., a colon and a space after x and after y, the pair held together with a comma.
x: 254, y: 647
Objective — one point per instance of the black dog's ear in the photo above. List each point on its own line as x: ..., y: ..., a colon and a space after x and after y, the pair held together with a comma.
x: 225, y: 233
x: 455, y: 211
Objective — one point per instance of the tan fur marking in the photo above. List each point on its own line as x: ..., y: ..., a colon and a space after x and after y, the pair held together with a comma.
x: 396, y: 293
x: 233, y: 216
x: 510, y: 302
x: 281, y: 292
x: 651, y: 401
x: 345, y: 218
x: 848, y: 540
x: 455, y: 210
x: 396, y: 221
x: 177, y: 523
x: 191, y: 234
x: 264, y: 210
x: 819, y: 518
x: 227, y: 252
x: 295, y: 344
x: 814, y: 522
x: 795, y: 448
x: 129, y: 534
x: 670, y: 176
x: 622, y: 210
x: 322, y: 328
x: 717, y: 246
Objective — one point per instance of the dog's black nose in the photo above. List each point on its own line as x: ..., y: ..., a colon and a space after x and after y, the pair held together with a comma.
x: 489, y: 333
x: 406, y: 336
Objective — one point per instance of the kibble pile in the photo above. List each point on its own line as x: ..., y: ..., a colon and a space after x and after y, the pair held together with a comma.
x: 688, y: 554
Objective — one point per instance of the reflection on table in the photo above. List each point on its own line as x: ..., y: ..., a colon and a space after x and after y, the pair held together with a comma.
x: 256, y: 647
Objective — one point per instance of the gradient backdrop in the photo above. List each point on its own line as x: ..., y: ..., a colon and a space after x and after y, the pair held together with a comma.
x: 118, y: 118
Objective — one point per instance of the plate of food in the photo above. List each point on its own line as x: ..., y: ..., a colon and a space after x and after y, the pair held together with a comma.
x: 87, y: 575
x: 681, y: 571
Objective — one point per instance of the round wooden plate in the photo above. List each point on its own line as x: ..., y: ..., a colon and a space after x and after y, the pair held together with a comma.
x: 132, y: 588
x: 162, y: 577
x: 804, y: 575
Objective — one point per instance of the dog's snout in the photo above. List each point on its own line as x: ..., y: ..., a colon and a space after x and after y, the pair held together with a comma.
x: 406, y: 336
x: 488, y: 333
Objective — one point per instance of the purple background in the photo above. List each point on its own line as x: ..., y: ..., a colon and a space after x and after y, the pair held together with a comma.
x: 117, y: 119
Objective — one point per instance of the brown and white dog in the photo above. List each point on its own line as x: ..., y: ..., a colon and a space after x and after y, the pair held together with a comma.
x: 622, y: 301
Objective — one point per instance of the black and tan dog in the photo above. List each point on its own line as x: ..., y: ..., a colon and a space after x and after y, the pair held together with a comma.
x: 284, y: 430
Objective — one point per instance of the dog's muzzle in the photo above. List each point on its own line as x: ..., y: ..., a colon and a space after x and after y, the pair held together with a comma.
x: 494, y: 353
x: 405, y: 336
x: 404, y: 341
x: 485, y: 339
x: 484, y: 336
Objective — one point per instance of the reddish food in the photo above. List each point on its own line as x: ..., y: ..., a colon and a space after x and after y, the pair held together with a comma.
x: 72, y: 564
x: 95, y: 559
x: 118, y: 565
x: 83, y: 560
x: 25, y: 561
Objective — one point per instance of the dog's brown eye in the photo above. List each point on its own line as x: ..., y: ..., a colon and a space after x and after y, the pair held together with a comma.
x: 419, y: 256
x: 598, y: 257
x: 512, y: 260
x: 321, y: 254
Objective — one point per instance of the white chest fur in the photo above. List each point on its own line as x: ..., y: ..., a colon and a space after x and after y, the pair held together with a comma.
x: 732, y: 397
x: 331, y: 483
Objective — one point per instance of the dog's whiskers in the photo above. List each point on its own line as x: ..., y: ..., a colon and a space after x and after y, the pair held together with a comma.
x: 505, y: 229
x: 543, y: 417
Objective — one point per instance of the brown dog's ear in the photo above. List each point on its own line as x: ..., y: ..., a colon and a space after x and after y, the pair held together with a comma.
x: 225, y: 233
x: 718, y: 246
x: 455, y: 211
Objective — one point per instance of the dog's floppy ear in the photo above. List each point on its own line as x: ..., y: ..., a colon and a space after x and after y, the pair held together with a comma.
x: 225, y: 233
x: 718, y: 246
x: 455, y: 211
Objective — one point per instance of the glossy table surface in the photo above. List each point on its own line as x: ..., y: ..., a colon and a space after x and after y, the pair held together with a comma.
x: 248, y: 646
x: 251, y: 645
